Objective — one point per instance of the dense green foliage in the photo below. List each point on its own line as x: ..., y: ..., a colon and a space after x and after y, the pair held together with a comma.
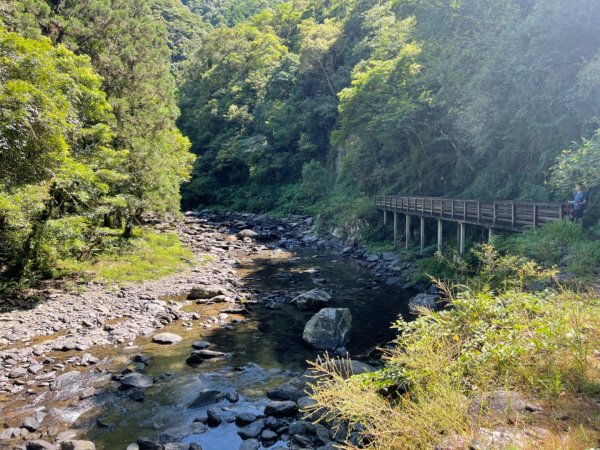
x: 58, y: 174
x: 227, y: 12
x: 87, y: 141
x: 520, y: 258
x: 455, y: 98
x: 492, y: 336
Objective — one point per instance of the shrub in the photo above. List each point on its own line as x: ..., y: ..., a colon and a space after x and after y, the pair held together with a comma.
x: 533, y: 342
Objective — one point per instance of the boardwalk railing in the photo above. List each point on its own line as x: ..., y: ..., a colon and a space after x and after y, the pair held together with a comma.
x: 502, y: 214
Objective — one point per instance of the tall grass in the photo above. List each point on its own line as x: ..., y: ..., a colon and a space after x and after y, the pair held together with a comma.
x: 493, y: 335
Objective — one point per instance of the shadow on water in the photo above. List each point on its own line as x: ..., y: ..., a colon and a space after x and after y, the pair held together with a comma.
x: 264, y: 350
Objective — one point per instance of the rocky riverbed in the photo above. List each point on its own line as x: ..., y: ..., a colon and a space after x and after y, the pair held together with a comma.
x: 60, y: 360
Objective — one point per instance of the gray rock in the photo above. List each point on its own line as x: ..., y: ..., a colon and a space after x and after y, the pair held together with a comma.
x: 302, y: 441
x: 201, y: 345
x: 87, y: 359
x: 252, y: 431
x: 348, y: 367
x: 214, y: 419
x: 166, y: 338
x: 17, y: 372
x: 322, y: 433
x: 328, y: 329
x: 35, y: 368
x: 232, y: 397
x: 137, y: 394
x: 305, y: 402
x: 247, y: 234
x: 206, y: 397
x: 68, y: 380
x: 39, y: 445
x: 301, y: 427
x: 135, y: 380
x: 281, y: 409
x: 268, y: 436
x: 199, y: 356
x: 175, y: 446
x: 290, y: 390
x: 427, y: 301
x: 148, y: 444
x: 501, y: 402
x: 30, y: 424
x: 87, y: 393
x: 243, y: 419
x: 250, y: 444
x: 8, y: 433
x: 313, y: 299
x: 194, y: 446
x: 77, y: 445
x: 205, y: 292
x: 141, y: 358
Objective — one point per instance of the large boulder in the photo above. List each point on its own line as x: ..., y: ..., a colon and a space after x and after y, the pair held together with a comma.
x: 328, y: 329
x: 313, y: 299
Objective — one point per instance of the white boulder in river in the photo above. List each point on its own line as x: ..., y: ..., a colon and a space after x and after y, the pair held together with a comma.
x: 328, y: 329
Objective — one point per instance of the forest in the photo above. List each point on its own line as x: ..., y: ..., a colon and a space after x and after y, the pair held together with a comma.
x: 289, y: 107
x: 221, y: 145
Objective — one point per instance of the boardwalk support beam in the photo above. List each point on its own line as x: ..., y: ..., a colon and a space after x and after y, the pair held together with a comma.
x: 422, y: 234
x: 395, y: 228
x: 439, y: 235
x: 384, y: 217
x: 461, y: 243
x: 407, y: 230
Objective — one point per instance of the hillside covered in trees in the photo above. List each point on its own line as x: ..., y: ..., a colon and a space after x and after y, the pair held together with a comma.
x: 302, y: 106
x: 311, y: 105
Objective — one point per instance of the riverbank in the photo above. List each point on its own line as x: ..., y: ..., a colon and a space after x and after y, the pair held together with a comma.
x: 45, y: 350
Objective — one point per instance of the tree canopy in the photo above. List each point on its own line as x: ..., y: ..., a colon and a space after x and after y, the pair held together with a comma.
x: 468, y: 98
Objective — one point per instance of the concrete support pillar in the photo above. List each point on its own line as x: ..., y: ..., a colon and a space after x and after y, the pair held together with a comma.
x: 395, y: 228
x: 407, y: 230
x: 422, y: 234
x: 384, y: 217
x: 490, y: 234
x: 439, y: 236
x: 461, y: 242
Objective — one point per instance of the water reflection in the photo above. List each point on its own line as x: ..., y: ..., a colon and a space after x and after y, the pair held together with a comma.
x: 263, y: 351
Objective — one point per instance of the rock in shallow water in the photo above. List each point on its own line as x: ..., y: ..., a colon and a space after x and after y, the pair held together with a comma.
x: 281, y: 409
x: 313, y: 299
x: 135, y: 380
x: 253, y: 430
x: 328, y: 329
x: 206, y: 397
x: 166, y: 338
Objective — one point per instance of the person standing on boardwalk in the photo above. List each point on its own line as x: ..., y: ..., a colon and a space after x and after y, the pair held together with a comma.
x: 579, y: 201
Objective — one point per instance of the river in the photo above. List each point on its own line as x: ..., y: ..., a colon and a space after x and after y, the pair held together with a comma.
x: 264, y: 348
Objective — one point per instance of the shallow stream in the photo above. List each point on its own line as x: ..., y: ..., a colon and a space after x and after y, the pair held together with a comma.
x: 265, y: 349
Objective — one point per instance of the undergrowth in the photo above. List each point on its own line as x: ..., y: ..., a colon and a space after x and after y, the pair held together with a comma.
x: 147, y: 255
x: 506, y: 326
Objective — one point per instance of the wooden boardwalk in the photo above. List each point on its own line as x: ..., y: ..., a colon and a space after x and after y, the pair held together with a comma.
x: 492, y: 214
